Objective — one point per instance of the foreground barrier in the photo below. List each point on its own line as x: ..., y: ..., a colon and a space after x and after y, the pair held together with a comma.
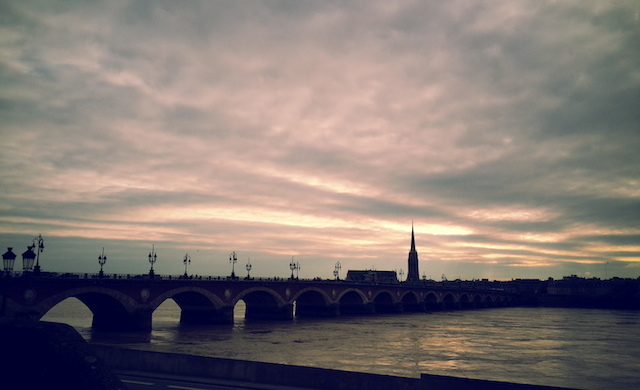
x: 287, y: 375
x: 38, y: 354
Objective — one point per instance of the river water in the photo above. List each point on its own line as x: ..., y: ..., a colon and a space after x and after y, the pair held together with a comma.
x: 578, y: 348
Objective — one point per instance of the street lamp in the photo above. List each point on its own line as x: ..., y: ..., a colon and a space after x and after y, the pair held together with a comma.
x: 186, y: 261
x: 401, y: 274
x: 153, y: 256
x: 233, y: 259
x: 297, y: 270
x: 292, y: 267
x: 102, y: 259
x: 38, y: 243
x: 336, y: 270
x: 248, y: 267
x: 8, y: 259
x: 28, y: 257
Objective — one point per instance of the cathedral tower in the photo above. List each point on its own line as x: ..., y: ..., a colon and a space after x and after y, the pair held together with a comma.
x: 413, y: 275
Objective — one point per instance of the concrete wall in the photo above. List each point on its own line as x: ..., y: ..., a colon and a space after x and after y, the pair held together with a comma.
x: 285, y: 375
x: 441, y: 382
x: 241, y: 370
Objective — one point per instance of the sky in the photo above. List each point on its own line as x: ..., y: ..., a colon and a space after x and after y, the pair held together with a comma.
x: 507, y: 133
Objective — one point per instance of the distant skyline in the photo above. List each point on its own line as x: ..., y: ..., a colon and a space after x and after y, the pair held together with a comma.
x: 507, y: 132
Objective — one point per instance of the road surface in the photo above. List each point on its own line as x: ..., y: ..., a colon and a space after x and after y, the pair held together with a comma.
x: 151, y: 381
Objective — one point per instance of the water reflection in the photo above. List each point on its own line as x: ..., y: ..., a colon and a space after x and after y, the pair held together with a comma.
x: 119, y: 338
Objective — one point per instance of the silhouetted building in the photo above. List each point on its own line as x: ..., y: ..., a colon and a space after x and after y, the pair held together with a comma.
x: 413, y: 275
x: 371, y: 276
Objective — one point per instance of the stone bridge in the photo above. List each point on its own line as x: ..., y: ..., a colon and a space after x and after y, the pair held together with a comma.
x: 128, y: 303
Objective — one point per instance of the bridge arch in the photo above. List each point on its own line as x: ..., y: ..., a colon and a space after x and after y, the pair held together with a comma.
x: 125, y: 301
x: 264, y: 304
x: 112, y: 309
x: 197, y: 305
x: 464, y: 301
x: 490, y: 300
x: 449, y: 301
x: 384, y: 302
x: 352, y: 292
x: 478, y: 301
x: 506, y: 300
x: 354, y: 302
x: 181, y: 292
x: 431, y: 301
x: 410, y: 302
x: 314, y: 302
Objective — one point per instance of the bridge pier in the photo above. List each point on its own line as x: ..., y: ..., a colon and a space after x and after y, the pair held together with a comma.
x: 414, y: 307
x: 433, y: 306
x: 206, y: 315
x: 106, y: 320
x: 261, y: 313
x: 448, y: 306
x: 357, y: 309
x: 389, y: 308
x: 480, y: 305
x: 331, y: 310
x: 465, y: 305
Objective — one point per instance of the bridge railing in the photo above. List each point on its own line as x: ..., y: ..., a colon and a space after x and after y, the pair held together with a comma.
x: 425, y: 283
x: 156, y: 277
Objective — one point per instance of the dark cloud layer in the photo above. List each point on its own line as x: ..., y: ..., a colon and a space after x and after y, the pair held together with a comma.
x: 507, y: 132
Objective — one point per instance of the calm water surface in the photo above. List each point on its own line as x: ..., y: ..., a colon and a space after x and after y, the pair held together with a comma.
x: 579, y: 348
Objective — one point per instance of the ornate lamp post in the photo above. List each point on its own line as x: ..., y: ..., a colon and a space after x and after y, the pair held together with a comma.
x: 233, y: 259
x: 153, y: 256
x: 292, y: 267
x: 28, y: 257
x: 38, y: 243
x: 102, y: 259
x: 401, y: 274
x: 248, y: 267
x: 186, y: 261
x: 8, y: 260
x: 336, y: 270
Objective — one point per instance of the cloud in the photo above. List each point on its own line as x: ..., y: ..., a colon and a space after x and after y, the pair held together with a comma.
x: 506, y: 131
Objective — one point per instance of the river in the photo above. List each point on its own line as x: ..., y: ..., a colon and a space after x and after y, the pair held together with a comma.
x: 578, y: 348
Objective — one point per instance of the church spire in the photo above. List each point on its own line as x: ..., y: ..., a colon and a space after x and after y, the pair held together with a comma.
x: 413, y: 240
x: 413, y: 275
